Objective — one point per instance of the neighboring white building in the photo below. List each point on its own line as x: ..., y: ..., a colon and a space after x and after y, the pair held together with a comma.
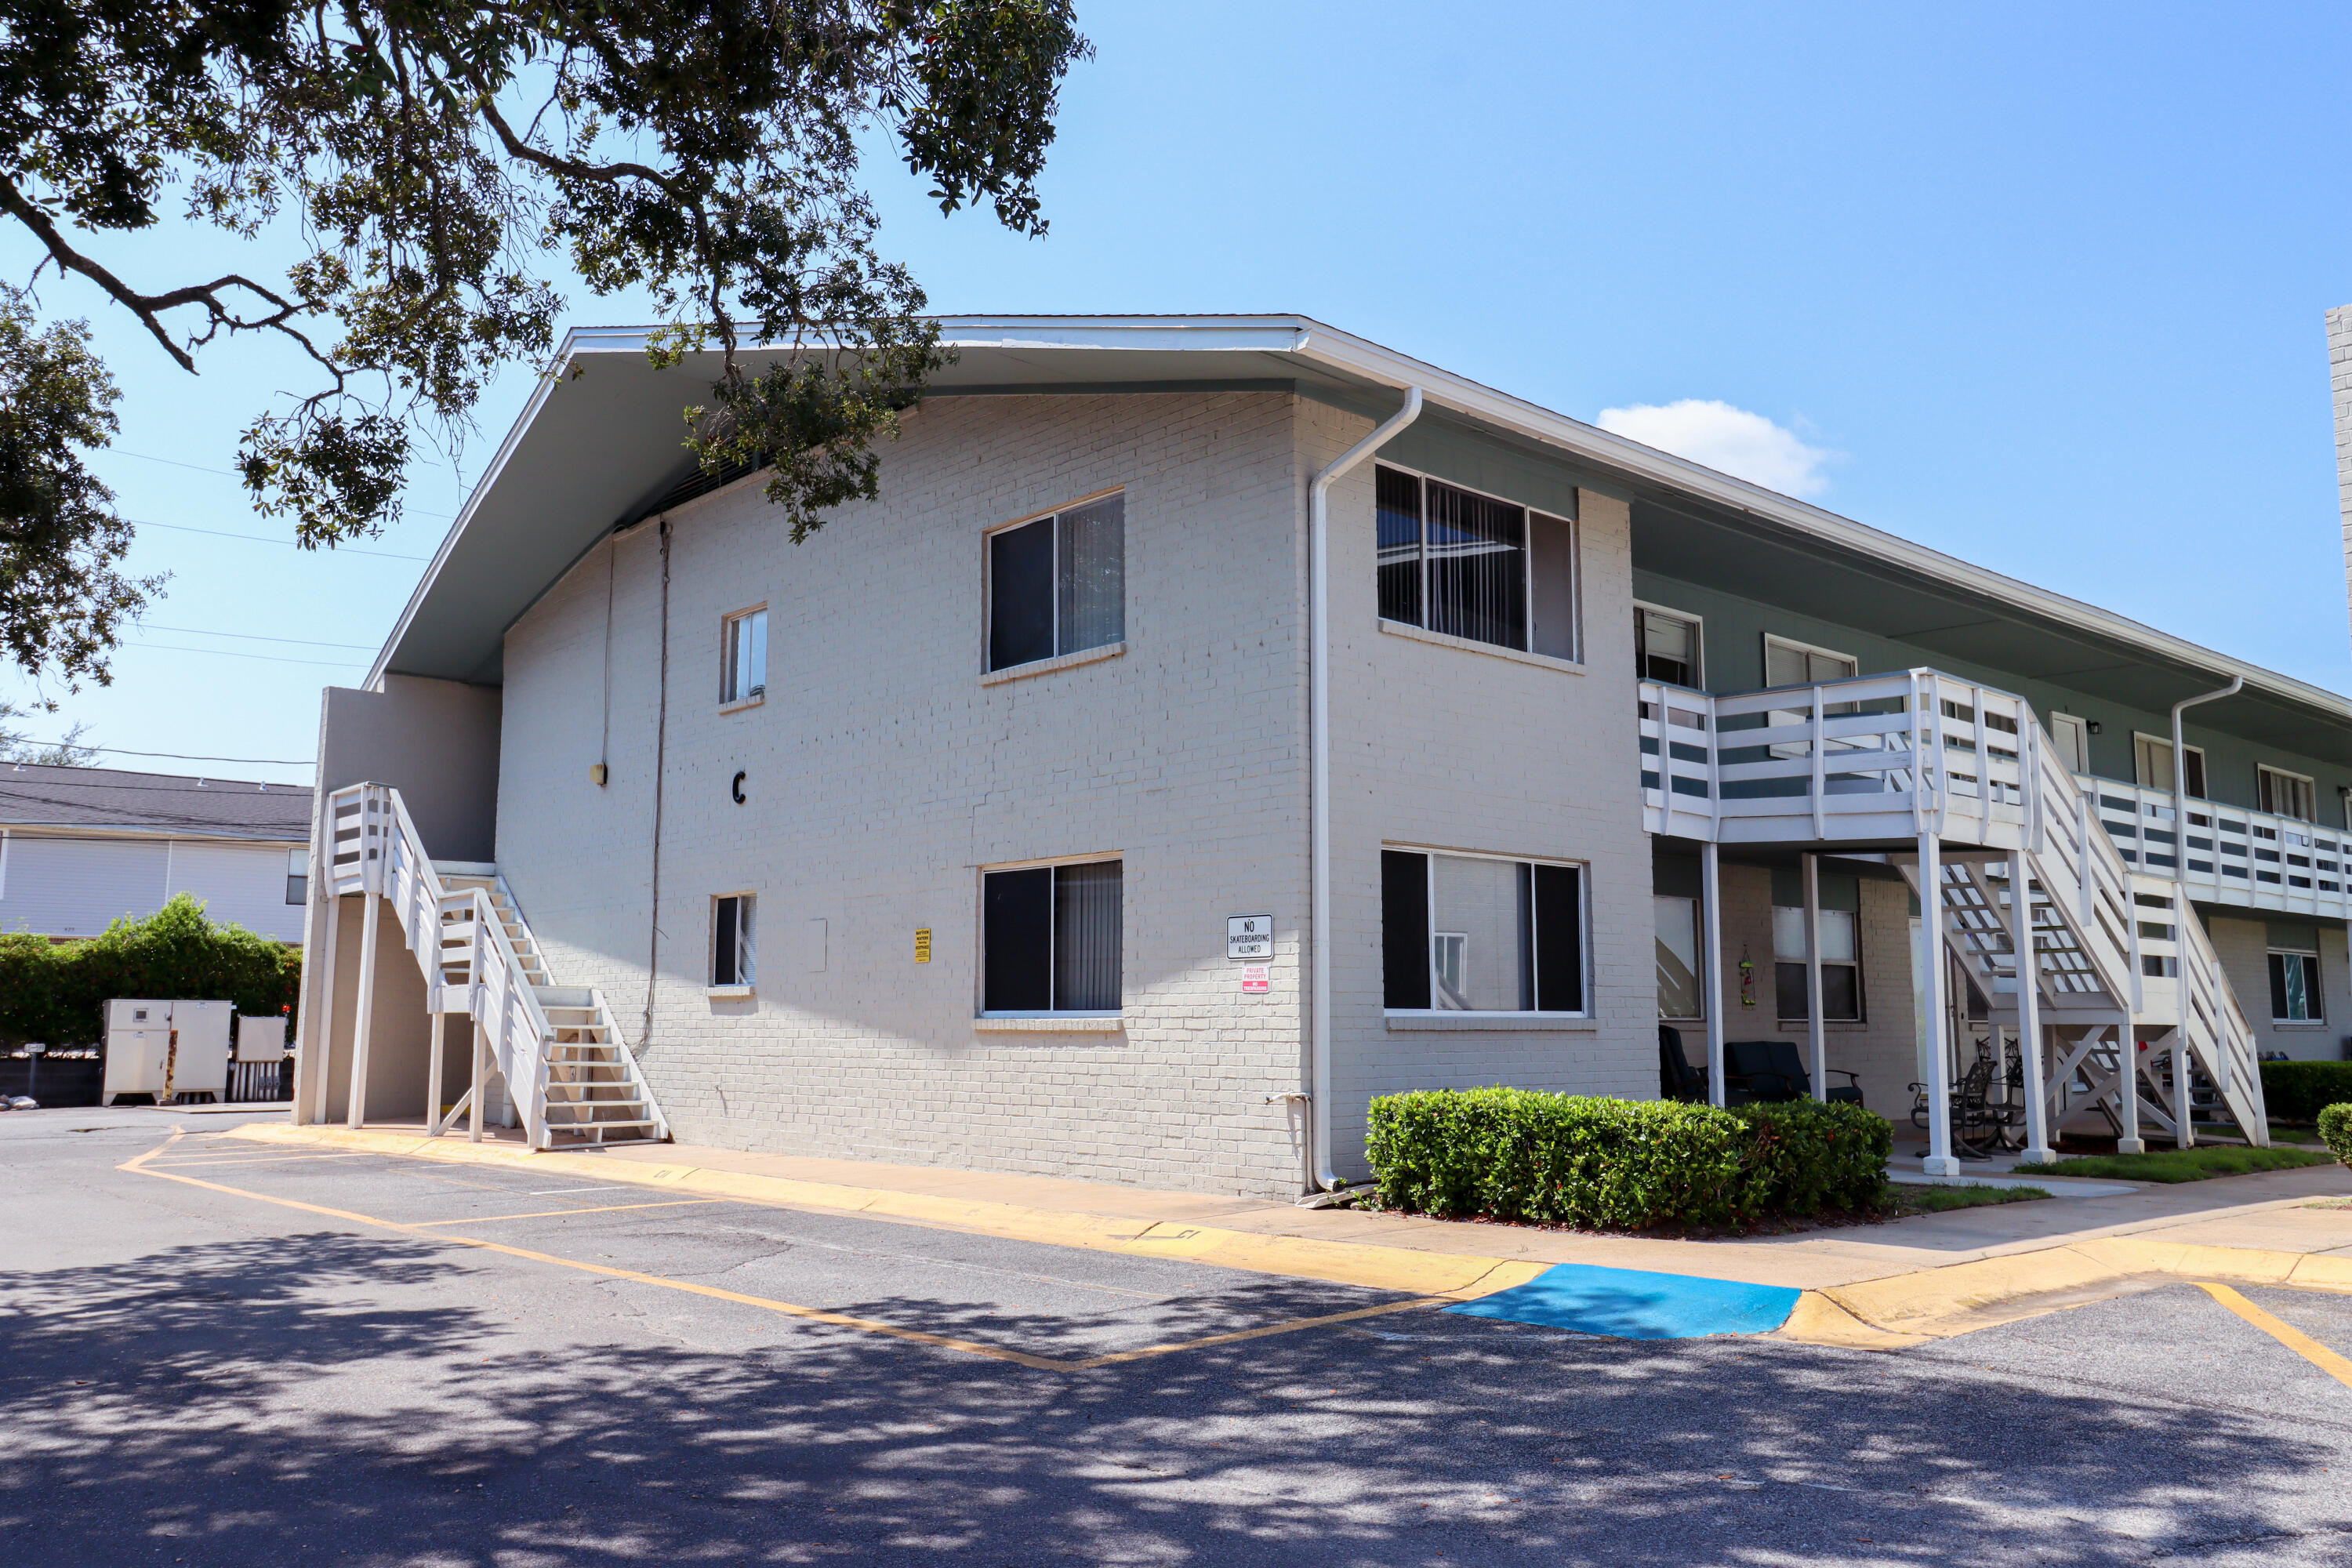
x: 935, y: 838
x: 82, y: 847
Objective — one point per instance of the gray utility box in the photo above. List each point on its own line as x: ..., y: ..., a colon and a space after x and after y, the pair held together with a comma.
x: 260, y: 1039
x: 168, y: 1050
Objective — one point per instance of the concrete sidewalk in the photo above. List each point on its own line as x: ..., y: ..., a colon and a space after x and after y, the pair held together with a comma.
x: 1898, y: 1281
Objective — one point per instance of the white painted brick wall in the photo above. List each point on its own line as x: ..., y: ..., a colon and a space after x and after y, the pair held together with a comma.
x: 882, y: 774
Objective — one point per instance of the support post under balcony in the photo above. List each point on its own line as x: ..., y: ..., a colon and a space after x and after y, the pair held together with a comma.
x: 1711, y: 900
x: 1940, y: 1161
x: 364, y: 1002
x: 2029, y: 1011
x: 1816, y: 1028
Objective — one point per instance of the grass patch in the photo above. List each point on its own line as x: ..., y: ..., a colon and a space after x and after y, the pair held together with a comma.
x: 2331, y: 1204
x: 2178, y: 1164
x: 1914, y: 1198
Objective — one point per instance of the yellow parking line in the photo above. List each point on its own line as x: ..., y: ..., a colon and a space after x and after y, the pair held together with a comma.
x: 2287, y: 1334
x: 138, y: 1165
x: 551, y: 1214
x: 193, y: 1161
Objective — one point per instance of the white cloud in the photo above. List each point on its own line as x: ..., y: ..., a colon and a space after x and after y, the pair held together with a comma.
x: 1732, y: 439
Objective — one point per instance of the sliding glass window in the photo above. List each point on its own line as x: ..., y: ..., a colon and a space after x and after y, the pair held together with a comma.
x: 1469, y: 565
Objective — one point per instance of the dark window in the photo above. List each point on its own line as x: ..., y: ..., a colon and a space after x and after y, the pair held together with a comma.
x: 730, y: 940
x: 1057, y: 585
x: 297, y: 875
x: 1050, y: 939
x: 1666, y: 648
x: 1471, y: 566
x: 1467, y: 933
x: 1404, y: 928
x: 2295, y: 988
x: 1841, y: 956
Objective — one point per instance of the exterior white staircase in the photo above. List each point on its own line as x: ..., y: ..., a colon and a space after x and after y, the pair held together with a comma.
x: 557, y: 1052
x: 2125, y: 977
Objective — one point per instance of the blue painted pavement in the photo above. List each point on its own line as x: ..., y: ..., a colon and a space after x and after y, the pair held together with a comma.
x: 1632, y: 1304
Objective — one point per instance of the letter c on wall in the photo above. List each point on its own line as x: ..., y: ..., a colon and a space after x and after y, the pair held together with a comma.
x: 736, y: 789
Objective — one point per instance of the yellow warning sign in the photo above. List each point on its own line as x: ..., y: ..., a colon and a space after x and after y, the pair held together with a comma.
x: 923, y: 944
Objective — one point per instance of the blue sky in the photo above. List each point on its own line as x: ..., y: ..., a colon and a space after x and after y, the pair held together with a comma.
x: 2041, y: 286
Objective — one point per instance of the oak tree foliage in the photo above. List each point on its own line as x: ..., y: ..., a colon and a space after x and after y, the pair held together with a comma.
x: 436, y: 158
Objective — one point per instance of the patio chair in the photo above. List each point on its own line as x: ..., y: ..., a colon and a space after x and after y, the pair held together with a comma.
x: 1786, y: 1062
x: 1757, y: 1072
x: 1677, y: 1079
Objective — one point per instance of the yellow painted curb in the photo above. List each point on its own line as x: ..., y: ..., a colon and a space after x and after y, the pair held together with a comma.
x: 1340, y: 1262
x: 1819, y: 1320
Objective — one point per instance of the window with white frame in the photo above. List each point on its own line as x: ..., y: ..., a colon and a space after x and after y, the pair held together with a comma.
x: 743, y: 656
x: 1479, y: 933
x: 1050, y: 939
x: 1681, y: 994
x: 1840, y: 917
x: 1057, y: 584
x: 297, y: 875
x: 733, y: 948
x: 2152, y: 764
x: 1787, y: 663
x: 2294, y: 977
x: 1666, y: 647
x: 2288, y: 794
x: 1469, y: 565
x: 2070, y: 736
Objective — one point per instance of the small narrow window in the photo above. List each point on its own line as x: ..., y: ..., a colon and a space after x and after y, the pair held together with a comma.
x: 1058, y: 584
x: 743, y: 672
x: 297, y: 875
x: 1050, y: 939
x: 1465, y: 933
x: 2152, y: 764
x: 2287, y: 794
x: 2294, y: 987
x: 2071, y: 738
x: 731, y: 940
x: 1469, y: 565
x: 1666, y: 647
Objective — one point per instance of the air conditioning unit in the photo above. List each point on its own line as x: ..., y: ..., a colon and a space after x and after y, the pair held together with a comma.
x: 171, y: 1050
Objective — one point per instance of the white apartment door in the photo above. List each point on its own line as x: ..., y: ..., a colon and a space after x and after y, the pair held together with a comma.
x: 2072, y: 738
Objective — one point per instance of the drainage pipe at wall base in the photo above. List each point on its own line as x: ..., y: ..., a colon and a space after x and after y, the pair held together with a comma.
x: 1318, y: 803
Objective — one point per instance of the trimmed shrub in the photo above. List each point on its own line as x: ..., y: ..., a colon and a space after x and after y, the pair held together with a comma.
x: 2299, y: 1091
x: 58, y: 992
x: 1560, y: 1159
x: 2336, y: 1131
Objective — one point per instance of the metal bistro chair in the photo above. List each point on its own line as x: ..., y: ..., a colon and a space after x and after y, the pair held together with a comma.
x: 1980, y: 1127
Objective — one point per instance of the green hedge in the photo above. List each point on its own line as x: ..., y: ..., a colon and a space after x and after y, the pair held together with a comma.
x: 2336, y: 1131
x: 1561, y: 1159
x: 56, y: 991
x: 2299, y: 1091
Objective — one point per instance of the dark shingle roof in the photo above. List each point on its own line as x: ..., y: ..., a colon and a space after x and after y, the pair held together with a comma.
x: 35, y: 796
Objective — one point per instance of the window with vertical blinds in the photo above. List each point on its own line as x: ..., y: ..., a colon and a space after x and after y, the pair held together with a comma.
x: 1476, y: 933
x: 1050, y: 939
x: 1452, y: 561
x: 1058, y: 584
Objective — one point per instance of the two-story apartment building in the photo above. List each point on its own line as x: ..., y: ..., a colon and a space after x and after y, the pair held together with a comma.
x: 1219, y: 722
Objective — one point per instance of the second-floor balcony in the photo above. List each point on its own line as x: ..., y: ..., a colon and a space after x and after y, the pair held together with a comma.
x: 1878, y: 760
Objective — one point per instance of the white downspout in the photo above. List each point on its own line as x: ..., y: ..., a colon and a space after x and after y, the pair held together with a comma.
x: 2180, y: 784
x: 1318, y: 802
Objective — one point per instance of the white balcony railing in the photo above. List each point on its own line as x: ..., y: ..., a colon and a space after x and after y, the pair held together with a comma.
x: 2254, y: 859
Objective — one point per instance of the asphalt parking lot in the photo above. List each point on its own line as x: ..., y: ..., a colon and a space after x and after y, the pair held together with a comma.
x: 533, y: 1371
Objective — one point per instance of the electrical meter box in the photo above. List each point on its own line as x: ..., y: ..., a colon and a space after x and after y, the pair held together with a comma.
x: 260, y: 1039
x: 168, y: 1050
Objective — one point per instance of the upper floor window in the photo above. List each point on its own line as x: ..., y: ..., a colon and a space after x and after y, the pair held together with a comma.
x: 2071, y: 735
x: 1787, y: 663
x: 1468, y: 565
x: 743, y: 661
x: 1666, y: 647
x: 1057, y: 584
x: 1476, y: 934
x: 297, y: 875
x: 2288, y: 794
x: 1050, y: 939
x: 2152, y: 764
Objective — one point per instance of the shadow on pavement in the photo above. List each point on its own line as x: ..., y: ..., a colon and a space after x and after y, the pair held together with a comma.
x: 327, y: 1398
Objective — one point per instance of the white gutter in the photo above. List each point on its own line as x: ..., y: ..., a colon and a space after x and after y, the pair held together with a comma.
x: 2180, y: 783
x: 1319, y: 801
